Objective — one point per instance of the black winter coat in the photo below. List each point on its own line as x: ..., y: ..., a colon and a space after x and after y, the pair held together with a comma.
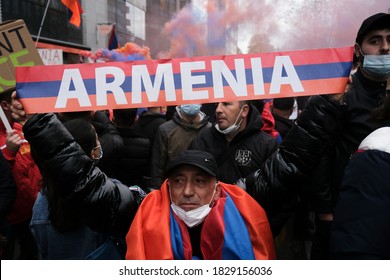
x: 133, y: 166
x: 147, y: 125
x: 275, y: 184
x: 7, y: 189
x: 243, y: 155
x: 361, y: 228
x: 105, y: 205
x: 363, y: 96
x: 111, y: 142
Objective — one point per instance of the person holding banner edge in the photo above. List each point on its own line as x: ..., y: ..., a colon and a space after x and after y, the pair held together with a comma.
x: 367, y: 92
x: 27, y: 179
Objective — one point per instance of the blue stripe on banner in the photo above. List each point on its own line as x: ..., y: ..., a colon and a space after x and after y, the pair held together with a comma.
x: 237, y: 244
x: 176, y: 238
x: 305, y: 72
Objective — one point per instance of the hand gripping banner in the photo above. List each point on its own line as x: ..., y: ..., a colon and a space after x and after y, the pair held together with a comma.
x: 165, y: 82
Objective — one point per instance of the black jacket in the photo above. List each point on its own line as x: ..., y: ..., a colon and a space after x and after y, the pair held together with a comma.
x: 7, y: 189
x: 147, y: 125
x: 276, y: 184
x: 361, y: 228
x: 133, y: 166
x: 357, y: 122
x: 243, y: 155
x: 105, y: 205
x: 111, y: 142
x: 282, y: 125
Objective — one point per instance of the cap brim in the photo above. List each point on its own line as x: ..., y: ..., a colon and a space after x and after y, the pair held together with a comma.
x: 208, y: 171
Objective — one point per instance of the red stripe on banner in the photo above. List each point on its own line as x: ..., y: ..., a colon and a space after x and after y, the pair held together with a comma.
x: 320, y: 56
x: 302, y: 57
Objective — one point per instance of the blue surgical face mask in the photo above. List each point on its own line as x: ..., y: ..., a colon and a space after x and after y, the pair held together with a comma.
x: 378, y: 66
x: 190, y: 109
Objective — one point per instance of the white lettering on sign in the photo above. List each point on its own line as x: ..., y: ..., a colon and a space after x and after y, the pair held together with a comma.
x: 80, y: 92
x: 188, y: 80
x: 141, y: 76
x: 103, y: 87
x: 111, y: 79
x: 51, y: 56
x: 277, y: 75
x: 238, y: 84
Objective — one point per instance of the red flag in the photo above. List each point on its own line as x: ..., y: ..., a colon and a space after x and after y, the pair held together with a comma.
x: 113, y: 41
x: 75, y: 11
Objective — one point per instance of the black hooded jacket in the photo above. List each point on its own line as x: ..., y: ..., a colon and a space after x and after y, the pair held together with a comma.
x: 276, y: 185
x: 105, y: 205
x: 243, y: 155
x: 357, y: 122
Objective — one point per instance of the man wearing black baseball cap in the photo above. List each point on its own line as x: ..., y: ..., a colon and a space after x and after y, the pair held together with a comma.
x: 366, y: 93
x: 372, y: 47
x: 193, y: 216
x: 372, y: 23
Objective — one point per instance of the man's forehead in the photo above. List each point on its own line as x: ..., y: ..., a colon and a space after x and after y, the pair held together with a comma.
x: 377, y: 33
x: 184, y: 169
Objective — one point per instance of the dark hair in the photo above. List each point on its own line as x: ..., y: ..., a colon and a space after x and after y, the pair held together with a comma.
x: 66, y: 116
x: 124, y: 117
x: 259, y: 104
x: 83, y: 133
x: 286, y: 103
x: 65, y: 217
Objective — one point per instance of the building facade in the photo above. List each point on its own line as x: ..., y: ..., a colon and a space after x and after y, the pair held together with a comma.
x: 138, y: 21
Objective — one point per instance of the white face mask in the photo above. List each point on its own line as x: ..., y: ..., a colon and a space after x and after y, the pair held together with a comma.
x: 96, y: 160
x: 233, y: 128
x: 193, y: 217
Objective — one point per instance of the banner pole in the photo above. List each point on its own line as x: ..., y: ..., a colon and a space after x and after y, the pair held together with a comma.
x: 5, y: 121
x: 43, y: 19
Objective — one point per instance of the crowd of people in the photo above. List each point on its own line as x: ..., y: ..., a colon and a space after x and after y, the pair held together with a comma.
x: 270, y: 179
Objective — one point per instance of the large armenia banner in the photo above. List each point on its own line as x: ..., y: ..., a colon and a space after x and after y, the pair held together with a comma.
x: 148, y: 83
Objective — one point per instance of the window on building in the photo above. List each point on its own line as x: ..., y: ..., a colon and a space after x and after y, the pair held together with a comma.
x: 136, y: 21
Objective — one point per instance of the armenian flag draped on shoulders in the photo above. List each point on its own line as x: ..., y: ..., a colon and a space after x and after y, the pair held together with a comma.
x: 236, y: 228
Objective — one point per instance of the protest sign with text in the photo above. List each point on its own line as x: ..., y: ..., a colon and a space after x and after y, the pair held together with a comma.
x: 16, y: 49
x: 165, y: 82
